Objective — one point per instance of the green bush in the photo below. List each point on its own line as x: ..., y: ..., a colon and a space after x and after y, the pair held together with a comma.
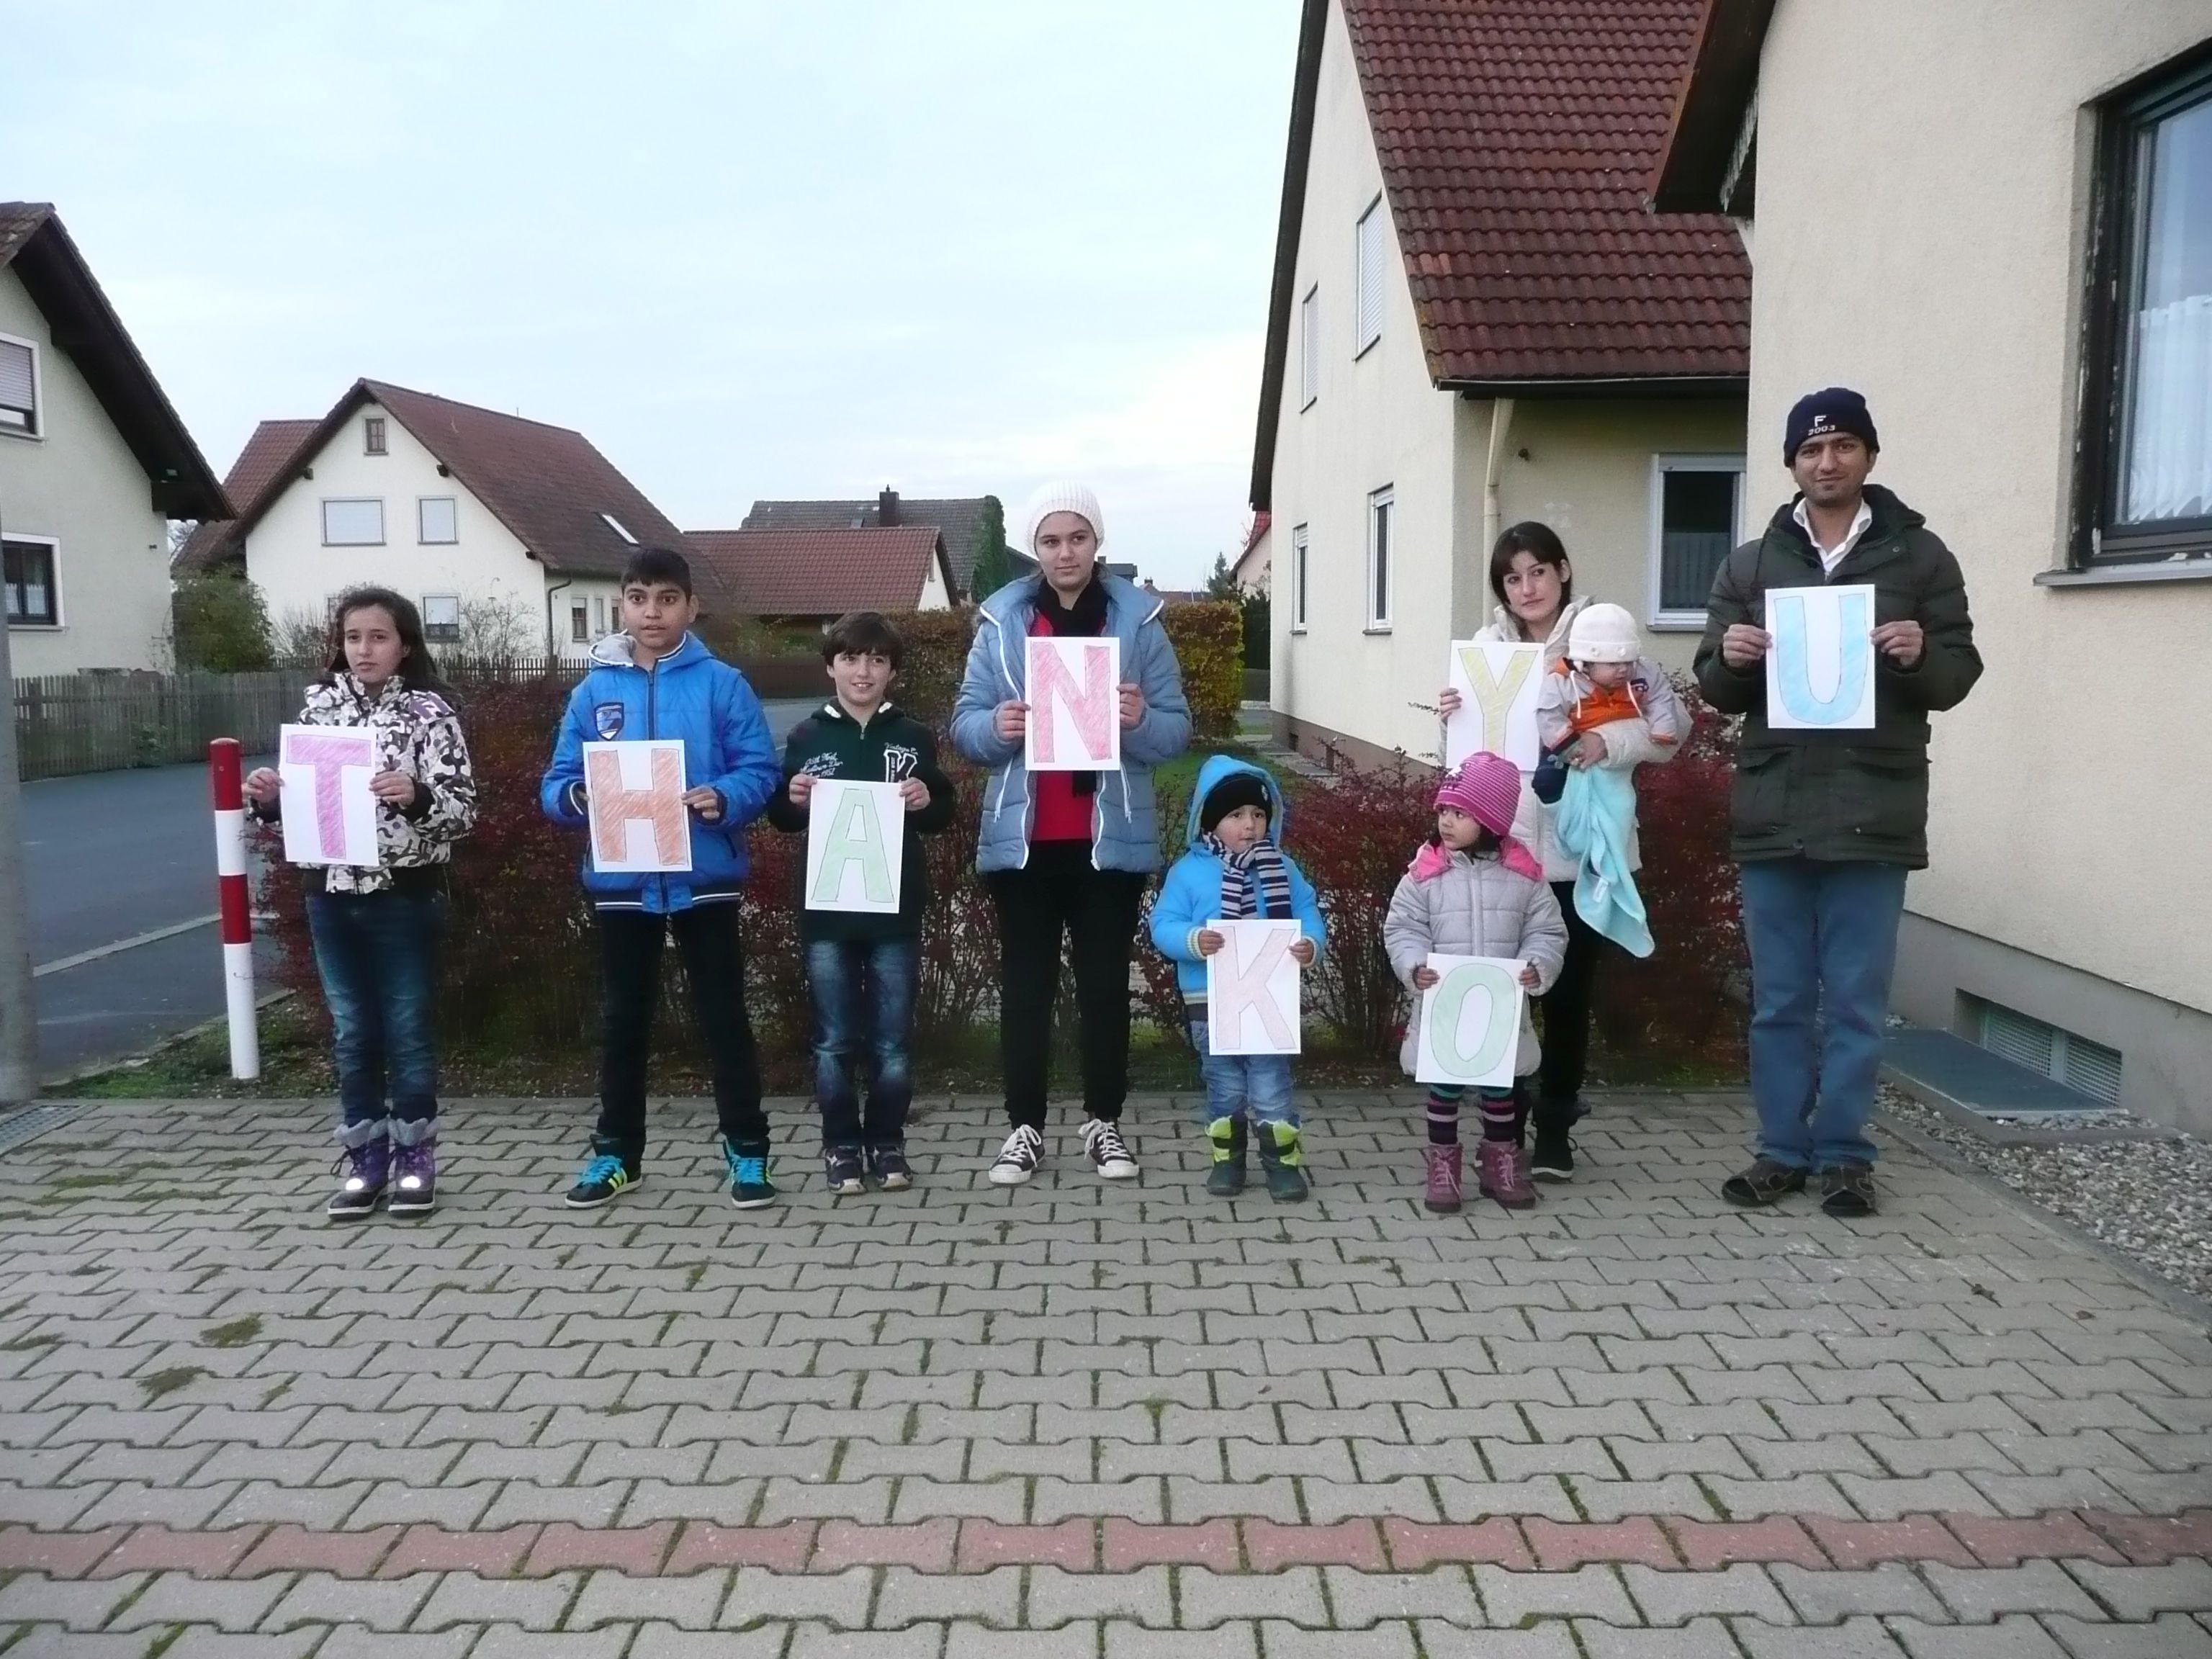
x: 220, y: 625
x: 1208, y: 635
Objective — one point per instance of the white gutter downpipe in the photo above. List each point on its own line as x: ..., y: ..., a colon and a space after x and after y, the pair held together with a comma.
x: 1501, y: 424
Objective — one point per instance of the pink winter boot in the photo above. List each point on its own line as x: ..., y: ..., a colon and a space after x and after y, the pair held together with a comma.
x: 1501, y: 1175
x: 1442, y: 1194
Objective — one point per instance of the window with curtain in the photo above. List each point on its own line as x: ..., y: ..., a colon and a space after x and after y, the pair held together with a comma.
x: 1696, y: 501
x: 33, y: 598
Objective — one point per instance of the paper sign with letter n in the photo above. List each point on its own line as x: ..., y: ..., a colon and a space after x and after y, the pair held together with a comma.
x: 635, y: 795
x: 1470, y: 1023
x: 329, y: 817
x: 856, y: 837
x: 1498, y: 686
x: 1820, y: 670
x: 1075, y: 705
x: 1252, y: 989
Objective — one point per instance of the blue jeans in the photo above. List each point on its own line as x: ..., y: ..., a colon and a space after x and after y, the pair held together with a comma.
x: 1253, y: 1087
x: 1823, y: 940
x: 863, y: 992
x: 377, y: 954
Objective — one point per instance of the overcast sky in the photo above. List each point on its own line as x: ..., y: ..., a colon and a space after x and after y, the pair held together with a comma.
x: 811, y: 248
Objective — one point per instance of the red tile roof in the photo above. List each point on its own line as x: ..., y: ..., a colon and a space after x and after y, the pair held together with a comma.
x: 273, y: 444
x: 823, y: 572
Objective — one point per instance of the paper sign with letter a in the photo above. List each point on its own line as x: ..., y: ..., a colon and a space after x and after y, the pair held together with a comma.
x: 635, y: 792
x: 1498, y: 686
x: 1820, y: 670
x: 329, y: 817
x: 1252, y: 989
x: 855, y: 838
x: 1075, y: 705
x: 1470, y: 1023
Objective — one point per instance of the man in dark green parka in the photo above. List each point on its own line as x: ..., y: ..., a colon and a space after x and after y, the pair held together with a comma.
x: 1826, y: 823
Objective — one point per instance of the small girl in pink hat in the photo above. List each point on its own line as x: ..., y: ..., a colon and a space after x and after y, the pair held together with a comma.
x: 1473, y: 891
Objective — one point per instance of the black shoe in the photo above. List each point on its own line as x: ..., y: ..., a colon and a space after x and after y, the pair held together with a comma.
x: 1283, y: 1161
x: 841, y: 1169
x: 1553, y: 1159
x: 1847, y: 1191
x: 887, y: 1163
x: 1764, y: 1183
x: 600, y: 1179
x: 1018, y: 1159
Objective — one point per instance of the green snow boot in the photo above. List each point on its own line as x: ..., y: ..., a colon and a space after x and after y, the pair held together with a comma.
x: 1225, y: 1137
x: 1282, y: 1157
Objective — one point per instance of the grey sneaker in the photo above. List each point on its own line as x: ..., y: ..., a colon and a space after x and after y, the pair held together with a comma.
x: 1847, y: 1191
x: 1764, y: 1183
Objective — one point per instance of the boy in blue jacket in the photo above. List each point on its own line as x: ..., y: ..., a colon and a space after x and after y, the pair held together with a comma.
x: 654, y: 679
x: 1235, y: 872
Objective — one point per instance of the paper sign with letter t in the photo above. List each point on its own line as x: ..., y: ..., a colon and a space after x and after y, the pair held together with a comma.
x: 856, y: 837
x: 1075, y: 705
x: 1252, y: 989
x: 1470, y: 1023
x: 1498, y: 685
x: 635, y: 795
x: 329, y: 817
x: 1820, y: 669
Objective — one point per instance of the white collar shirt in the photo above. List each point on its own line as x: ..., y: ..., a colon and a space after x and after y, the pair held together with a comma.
x: 1862, y: 522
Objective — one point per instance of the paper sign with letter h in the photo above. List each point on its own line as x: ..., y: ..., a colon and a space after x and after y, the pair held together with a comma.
x: 1820, y: 670
x: 1075, y: 705
x: 330, y: 816
x: 1498, y: 685
x: 1470, y: 1031
x: 635, y: 795
x: 1252, y: 989
x: 855, y: 839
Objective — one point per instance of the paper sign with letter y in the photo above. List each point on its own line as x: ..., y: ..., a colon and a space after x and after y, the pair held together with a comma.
x: 329, y: 817
x: 1075, y: 705
x: 635, y: 794
x: 855, y: 835
x: 1252, y: 989
x: 1470, y: 1023
x: 1498, y: 685
x: 1820, y: 670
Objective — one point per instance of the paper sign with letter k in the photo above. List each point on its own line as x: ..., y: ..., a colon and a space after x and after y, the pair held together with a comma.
x: 1252, y: 989
x: 1075, y: 704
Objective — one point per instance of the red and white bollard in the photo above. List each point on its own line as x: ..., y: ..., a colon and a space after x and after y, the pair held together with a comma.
x: 227, y: 775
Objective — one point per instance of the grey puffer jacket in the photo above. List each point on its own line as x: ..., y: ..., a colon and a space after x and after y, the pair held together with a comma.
x: 1476, y: 907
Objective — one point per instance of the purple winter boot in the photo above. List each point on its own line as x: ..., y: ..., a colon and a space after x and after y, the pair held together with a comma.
x: 414, y: 1178
x: 367, y: 1166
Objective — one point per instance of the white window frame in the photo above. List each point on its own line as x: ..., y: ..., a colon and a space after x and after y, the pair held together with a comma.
x: 1367, y: 283
x: 1309, y: 348
x: 1685, y: 622
x: 599, y: 616
x: 429, y: 627
x: 53, y: 547
x: 1382, y: 509
x: 377, y: 502
x: 37, y: 430
x: 1300, y: 542
x: 580, y: 623
x: 423, y: 536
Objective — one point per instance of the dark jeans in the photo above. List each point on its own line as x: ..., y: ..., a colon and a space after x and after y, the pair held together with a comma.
x: 377, y: 954
x: 863, y: 993
x: 1823, y: 940
x: 1059, y: 892
x: 1566, y: 1007
x: 711, y: 944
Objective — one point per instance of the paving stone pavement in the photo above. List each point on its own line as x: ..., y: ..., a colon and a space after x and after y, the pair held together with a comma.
x: 1123, y: 1422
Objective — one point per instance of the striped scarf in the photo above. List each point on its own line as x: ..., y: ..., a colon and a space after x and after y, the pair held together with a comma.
x: 1246, y: 877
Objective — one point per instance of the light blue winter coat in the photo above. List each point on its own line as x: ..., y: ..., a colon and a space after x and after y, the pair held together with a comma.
x: 1191, y: 895
x: 1124, y: 833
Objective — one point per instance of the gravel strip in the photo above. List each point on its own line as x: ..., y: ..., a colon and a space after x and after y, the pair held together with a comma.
x: 2151, y: 1200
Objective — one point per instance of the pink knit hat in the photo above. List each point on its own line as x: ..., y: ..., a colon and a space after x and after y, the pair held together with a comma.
x: 1487, y: 789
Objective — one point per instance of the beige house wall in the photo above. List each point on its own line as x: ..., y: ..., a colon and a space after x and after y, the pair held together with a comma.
x: 1922, y: 221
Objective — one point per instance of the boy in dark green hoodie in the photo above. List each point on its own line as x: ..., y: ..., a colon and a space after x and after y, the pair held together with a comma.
x: 861, y: 969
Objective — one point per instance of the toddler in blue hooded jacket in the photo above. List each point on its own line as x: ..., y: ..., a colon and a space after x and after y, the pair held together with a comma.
x: 1235, y: 870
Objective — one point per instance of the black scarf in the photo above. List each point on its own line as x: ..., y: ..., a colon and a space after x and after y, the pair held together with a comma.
x: 1084, y: 620
x: 1262, y: 859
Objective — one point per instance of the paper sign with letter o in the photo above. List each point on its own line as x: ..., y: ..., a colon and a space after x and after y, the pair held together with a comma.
x: 855, y: 839
x: 1252, y: 989
x: 329, y: 817
x: 634, y: 791
x: 1498, y: 685
x: 1820, y: 670
x: 1075, y: 705
x: 1470, y: 1023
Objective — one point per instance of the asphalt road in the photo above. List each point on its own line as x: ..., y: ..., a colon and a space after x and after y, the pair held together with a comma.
x: 112, y: 858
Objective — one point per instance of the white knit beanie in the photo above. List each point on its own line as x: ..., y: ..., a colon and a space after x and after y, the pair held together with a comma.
x: 1061, y: 498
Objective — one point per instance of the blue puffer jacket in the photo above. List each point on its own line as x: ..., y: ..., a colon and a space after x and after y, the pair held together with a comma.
x: 691, y: 695
x: 1191, y: 895
x: 1124, y: 834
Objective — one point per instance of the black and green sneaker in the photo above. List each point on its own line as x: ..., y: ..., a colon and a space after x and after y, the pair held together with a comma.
x: 752, y: 1185
x: 1224, y: 1140
x: 600, y: 1179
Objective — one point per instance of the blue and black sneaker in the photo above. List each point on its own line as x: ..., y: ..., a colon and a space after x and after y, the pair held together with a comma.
x: 842, y: 1171
x: 601, y: 1177
x: 751, y: 1185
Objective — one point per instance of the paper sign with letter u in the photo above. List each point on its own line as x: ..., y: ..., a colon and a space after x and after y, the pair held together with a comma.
x: 1820, y: 670
x: 1075, y: 704
x: 1498, y: 685
x: 1470, y: 1023
x: 1252, y: 989
x: 329, y: 817
x: 855, y: 839
x: 635, y: 794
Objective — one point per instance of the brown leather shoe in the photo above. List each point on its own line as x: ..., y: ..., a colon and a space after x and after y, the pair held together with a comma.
x: 1761, y: 1184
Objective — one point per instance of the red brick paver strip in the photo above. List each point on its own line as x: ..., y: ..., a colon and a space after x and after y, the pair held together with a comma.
x: 924, y: 1545
x: 433, y: 1549
x: 58, y: 1555
x: 1561, y: 1547
x: 636, y: 1551
x: 1707, y: 1545
x: 1866, y: 1543
x: 1131, y: 1544
x: 782, y: 1548
x: 157, y: 1549
x: 2153, y: 1540
x: 291, y: 1548
x: 1415, y: 1545
x: 1269, y: 1545
x: 988, y: 1544
x: 2005, y: 1540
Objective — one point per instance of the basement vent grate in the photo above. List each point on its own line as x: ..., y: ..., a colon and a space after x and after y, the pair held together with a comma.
x: 2075, y: 1061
